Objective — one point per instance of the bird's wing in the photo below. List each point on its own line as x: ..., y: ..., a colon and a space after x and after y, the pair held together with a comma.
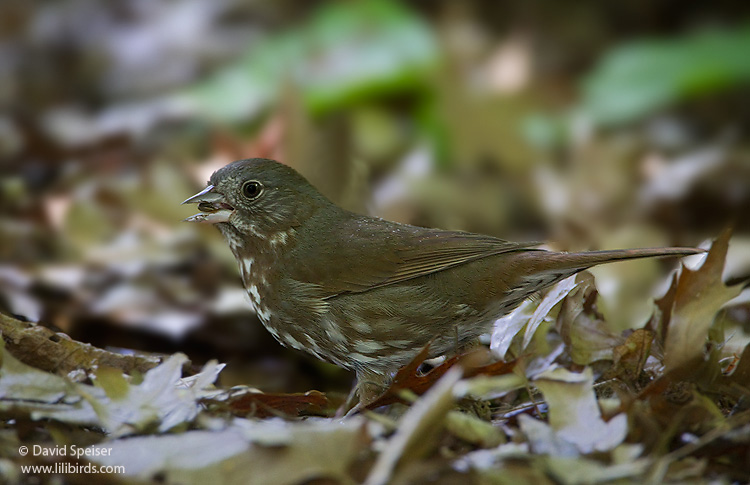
x: 443, y: 250
x: 378, y: 253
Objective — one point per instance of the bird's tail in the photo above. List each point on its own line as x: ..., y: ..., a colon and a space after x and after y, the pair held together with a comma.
x: 579, y: 261
x: 538, y: 269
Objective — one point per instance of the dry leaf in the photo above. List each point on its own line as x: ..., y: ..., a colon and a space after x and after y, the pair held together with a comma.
x: 264, y: 405
x: 269, y: 452
x: 530, y: 315
x: 417, y: 429
x: 699, y: 294
x: 582, y: 328
x: 631, y: 356
x: 574, y: 414
x: 409, y: 378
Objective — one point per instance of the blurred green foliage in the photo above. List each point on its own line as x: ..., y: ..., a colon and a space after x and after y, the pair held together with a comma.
x: 643, y: 76
x: 346, y: 53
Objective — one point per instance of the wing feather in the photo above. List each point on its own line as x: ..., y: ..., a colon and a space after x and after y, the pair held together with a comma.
x: 379, y: 253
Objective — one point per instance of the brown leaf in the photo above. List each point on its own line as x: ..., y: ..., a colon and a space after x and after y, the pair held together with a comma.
x: 659, y: 322
x: 698, y: 297
x: 408, y: 377
x: 264, y: 405
x: 630, y: 357
x: 582, y: 327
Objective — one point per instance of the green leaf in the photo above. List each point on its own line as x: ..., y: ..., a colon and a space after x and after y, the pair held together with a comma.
x: 348, y: 52
x: 640, y: 78
x: 112, y: 381
x: 473, y: 430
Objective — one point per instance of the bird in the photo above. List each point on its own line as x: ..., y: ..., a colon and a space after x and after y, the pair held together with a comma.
x: 365, y: 293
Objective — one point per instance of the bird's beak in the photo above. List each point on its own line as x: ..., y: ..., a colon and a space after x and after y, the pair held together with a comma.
x: 213, y: 206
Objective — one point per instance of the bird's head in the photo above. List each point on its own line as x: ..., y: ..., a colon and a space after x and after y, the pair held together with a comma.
x: 257, y: 198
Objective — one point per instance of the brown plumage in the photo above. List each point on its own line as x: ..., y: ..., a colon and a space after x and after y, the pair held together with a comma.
x: 366, y: 293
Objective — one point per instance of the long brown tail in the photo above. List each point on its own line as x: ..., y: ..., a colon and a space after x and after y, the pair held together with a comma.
x: 580, y: 261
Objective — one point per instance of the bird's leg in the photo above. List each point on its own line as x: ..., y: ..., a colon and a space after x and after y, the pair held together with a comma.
x: 370, y: 385
x: 348, y: 407
x: 461, y: 348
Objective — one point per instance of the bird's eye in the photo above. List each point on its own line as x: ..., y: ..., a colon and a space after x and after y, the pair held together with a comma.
x: 252, y: 189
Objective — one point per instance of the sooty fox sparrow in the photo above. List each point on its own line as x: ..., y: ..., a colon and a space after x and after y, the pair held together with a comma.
x: 364, y: 293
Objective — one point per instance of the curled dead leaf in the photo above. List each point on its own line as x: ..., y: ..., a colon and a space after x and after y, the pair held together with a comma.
x: 263, y: 405
x: 582, y: 328
x: 698, y: 296
x: 630, y: 357
x: 409, y: 378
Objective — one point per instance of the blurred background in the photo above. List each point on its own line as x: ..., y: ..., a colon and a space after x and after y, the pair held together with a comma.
x: 592, y: 125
